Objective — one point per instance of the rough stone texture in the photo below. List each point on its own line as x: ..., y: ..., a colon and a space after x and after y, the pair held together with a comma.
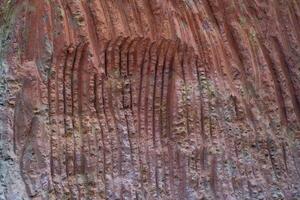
x: 150, y: 99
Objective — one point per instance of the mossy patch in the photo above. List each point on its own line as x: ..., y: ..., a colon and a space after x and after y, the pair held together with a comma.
x: 7, y: 18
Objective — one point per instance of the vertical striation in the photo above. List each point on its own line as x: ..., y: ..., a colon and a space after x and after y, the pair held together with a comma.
x: 149, y: 99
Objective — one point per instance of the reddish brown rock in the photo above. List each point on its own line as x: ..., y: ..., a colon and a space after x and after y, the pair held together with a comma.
x: 150, y: 99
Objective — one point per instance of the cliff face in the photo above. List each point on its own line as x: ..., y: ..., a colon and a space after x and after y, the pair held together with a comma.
x: 150, y: 99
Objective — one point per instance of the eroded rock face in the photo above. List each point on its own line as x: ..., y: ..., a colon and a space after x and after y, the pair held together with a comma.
x: 150, y: 99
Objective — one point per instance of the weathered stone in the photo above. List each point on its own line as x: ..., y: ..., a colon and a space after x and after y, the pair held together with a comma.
x: 149, y: 99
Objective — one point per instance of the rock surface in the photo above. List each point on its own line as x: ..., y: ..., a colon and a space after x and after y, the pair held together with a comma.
x: 149, y: 99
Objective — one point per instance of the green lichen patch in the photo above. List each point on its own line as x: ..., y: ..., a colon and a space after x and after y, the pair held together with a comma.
x: 6, y: 20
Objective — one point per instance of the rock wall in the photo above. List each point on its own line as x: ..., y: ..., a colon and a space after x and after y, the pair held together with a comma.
x: 150, y: 99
